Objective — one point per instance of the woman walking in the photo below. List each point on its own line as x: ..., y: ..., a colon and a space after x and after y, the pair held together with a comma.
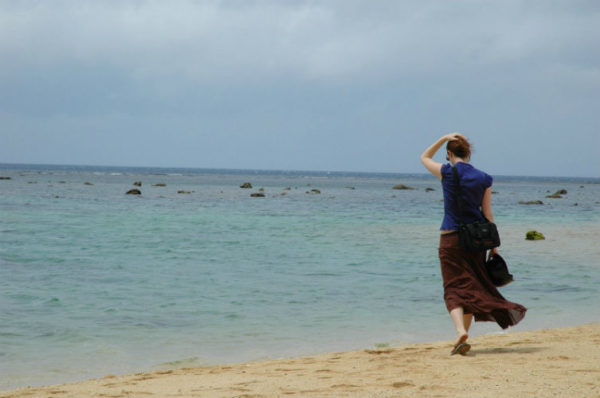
x: 468, y: 290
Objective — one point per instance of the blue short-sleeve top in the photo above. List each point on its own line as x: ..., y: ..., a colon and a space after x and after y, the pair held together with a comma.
x: 473, y: 183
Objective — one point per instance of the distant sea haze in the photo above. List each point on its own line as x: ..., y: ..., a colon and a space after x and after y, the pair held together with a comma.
x: 195, y: 270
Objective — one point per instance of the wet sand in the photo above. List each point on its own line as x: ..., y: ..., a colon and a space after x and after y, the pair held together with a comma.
x: 545, y: 363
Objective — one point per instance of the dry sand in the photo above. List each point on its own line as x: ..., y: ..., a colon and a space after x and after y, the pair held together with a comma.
x: 544, y: 363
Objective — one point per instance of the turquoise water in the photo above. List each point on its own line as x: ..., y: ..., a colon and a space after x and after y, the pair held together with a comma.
x: 93, y: 281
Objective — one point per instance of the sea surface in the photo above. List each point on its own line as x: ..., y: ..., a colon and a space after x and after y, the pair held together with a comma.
x: 96, y: 282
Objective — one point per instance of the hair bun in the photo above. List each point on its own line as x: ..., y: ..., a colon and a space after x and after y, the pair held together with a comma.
x: 459, y: 147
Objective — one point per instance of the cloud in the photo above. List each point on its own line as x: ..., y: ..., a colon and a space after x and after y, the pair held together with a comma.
x: 263, y: 40
x: 331, y: 78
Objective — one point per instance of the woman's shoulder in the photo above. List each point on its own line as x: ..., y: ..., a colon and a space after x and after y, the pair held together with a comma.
x: 481, y: 175
x: 446, y: 171
x: 468, y: 172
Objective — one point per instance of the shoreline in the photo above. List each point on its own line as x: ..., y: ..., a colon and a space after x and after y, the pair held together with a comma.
x: 546, y: 362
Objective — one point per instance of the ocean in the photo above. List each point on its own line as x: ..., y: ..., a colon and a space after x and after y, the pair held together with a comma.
x: 195, y: 271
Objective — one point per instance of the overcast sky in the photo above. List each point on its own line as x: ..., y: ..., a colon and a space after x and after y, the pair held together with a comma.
x: 302, y: 85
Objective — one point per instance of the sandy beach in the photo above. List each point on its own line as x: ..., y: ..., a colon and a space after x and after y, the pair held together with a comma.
x: 545, y: 363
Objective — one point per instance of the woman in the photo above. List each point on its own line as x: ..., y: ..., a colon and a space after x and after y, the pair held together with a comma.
x: 468, y: 290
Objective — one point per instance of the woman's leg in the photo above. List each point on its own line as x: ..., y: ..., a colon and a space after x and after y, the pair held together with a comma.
x: 467, y: 320
x: 458, y: 317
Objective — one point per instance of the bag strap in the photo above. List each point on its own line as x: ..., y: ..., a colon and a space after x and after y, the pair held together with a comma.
x: 458, y: 196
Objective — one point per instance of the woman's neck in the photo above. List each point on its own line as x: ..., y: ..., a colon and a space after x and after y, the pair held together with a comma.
x: 456, y: 160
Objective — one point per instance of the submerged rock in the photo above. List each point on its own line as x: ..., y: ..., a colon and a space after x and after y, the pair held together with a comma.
x: 531, y: 202
x: 314, y: 191
x: 401, y: 186
x: 5, y: 178
x: 534, y: 235
x: 137, y: 183
x: 160, y: 184
x: 246, y: 185
x: 429, y: 189
x: 134, y: 192
x: 181, y: 191
x: 257, y: 195
x: 557, y: 194
x: 87, y: 183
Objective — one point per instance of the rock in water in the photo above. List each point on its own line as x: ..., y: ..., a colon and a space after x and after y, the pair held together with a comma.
x: 257, y: 195
x: 558, y: 194
x: 246, y: 185
x: 134, y: 192
x: 531, y: 202
x: 402, y: 186
x: 534, y: 235
x: 137, y: 183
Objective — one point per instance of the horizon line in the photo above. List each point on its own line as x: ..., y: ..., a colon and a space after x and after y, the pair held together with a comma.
x: 274, y: 170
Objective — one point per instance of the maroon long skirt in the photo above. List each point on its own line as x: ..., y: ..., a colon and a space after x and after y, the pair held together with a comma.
x: 467, y: 285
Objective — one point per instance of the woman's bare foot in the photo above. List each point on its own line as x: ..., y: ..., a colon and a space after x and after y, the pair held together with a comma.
x: 461, y: 347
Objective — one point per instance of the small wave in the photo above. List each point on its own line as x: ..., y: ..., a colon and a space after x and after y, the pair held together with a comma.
x: 8, y: 334
x: 551, y: 288
x: 54, y: 301
x: 182, y: 363
x: 333, y: 274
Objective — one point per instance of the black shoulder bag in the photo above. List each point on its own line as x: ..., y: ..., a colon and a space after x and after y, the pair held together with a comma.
x: 478, y: 235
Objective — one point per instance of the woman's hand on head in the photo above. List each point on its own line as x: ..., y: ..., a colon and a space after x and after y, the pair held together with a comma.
x: 454, y: 136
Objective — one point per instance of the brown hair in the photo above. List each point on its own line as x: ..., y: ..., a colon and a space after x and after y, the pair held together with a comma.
x: 460, y: 147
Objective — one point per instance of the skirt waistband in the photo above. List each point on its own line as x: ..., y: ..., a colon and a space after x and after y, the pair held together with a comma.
x: 449, y: 240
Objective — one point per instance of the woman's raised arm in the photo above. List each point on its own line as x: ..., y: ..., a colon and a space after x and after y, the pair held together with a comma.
x: 431, y: 165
